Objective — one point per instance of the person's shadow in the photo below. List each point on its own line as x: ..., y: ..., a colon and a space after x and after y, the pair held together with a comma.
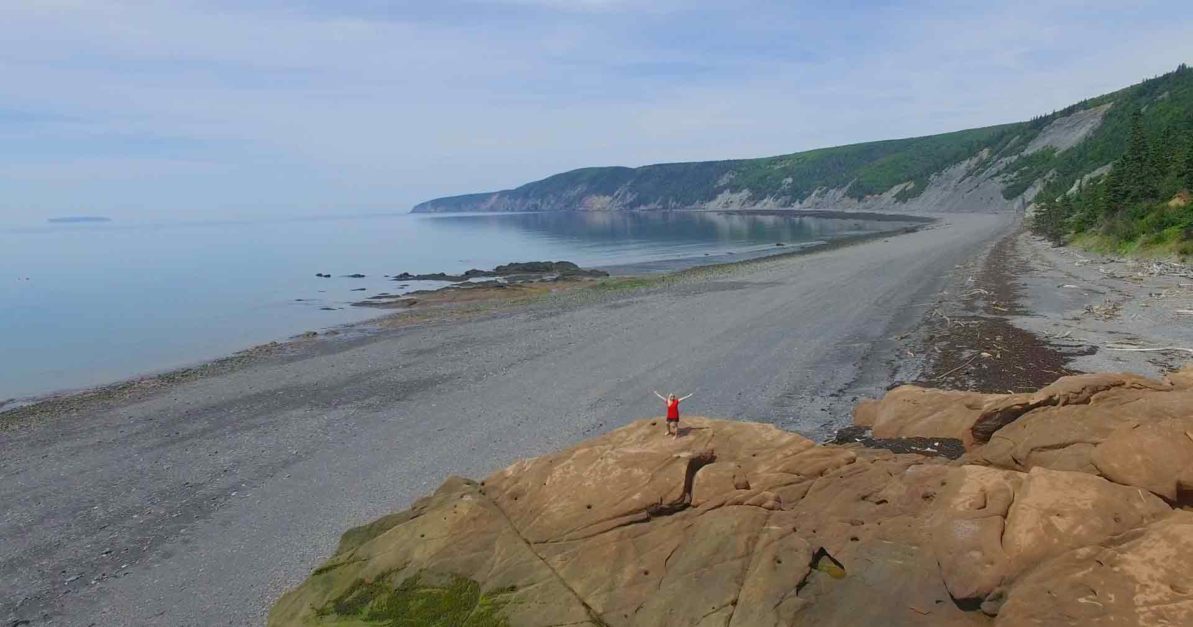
x: 682, y: 431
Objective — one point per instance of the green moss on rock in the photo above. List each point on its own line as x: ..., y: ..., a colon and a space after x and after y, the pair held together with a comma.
x: 420, y: 600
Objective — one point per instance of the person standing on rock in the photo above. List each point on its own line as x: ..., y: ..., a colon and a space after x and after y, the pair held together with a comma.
x: 672, y: 412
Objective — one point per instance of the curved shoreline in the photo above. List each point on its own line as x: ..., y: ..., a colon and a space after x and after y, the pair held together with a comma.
x: 266, y: 462
x: 835, y: 215
x: 18, y: 409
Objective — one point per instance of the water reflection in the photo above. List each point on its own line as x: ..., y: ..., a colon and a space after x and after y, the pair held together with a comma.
x: 87, y: 304
x: 608, y: 237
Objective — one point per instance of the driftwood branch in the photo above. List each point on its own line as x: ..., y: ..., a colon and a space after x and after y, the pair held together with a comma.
x: 971, y: 360
x: 1140, y: 349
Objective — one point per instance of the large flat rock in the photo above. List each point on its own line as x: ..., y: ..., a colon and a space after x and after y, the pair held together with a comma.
x: 1072, y: 518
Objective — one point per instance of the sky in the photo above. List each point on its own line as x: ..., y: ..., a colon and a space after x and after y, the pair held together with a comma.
x: 147, y: 110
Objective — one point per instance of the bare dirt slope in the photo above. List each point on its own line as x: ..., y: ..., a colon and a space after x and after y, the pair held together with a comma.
x: 200, y: 502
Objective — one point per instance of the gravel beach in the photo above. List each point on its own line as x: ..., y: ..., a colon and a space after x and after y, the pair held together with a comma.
x: 197, y: 501
x: 1120, y: 314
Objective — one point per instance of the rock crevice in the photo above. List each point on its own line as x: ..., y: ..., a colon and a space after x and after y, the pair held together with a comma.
x: 1069, y: 515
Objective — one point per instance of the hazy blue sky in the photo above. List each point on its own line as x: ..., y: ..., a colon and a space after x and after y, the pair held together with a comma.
x: 181, y: 109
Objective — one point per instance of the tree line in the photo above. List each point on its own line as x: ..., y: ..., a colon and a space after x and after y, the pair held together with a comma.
x: 1144, y: 201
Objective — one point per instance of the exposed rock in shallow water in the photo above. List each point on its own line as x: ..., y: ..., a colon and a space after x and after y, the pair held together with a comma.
x: 523, y: 271
x: 724, y: 526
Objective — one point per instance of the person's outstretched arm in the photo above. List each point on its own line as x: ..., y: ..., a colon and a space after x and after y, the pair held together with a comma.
x: 661, y: 397
x: 684, y: 398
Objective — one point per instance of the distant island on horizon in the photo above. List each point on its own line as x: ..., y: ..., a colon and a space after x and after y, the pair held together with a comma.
x: 76, y: 219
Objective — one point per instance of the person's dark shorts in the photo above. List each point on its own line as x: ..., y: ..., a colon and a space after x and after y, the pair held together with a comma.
x: 673, y: 420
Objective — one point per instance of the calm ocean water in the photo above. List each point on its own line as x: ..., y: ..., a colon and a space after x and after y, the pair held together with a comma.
x: 87, y: 304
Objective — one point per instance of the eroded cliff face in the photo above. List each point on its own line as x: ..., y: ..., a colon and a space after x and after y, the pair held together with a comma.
x: 1067, y: 509
x: 978, y: 182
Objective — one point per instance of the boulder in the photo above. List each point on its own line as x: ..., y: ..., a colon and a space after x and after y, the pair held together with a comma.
x: 1136, y: 437
x: 1060, y: 438
x: 1143, y: 577
x: 913, y: 411
x: 1154, y: 454
x: 973, y: 417
x: 1083, y: 389
x: 994, y: 524
x: 968, y: 528
x: 1055, y: 511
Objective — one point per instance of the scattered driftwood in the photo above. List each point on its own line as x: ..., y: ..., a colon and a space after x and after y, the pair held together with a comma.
x: 1162, y: 268
x: 971, y: 360
x: 1107, y: 310
x: 1140, y: 349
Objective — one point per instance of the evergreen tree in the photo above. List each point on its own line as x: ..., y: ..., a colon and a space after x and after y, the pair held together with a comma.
x: 1135, y: 174
x: 1186, y: 174
x: 1115, y: 197
x: 1051, y: 218
x: 1147, y: 137
x: 1162, y: 154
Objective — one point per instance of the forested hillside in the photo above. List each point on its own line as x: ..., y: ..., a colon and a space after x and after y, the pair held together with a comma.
x: 1144, y: 200
x: 860, y: 169
x: 1061, y: 160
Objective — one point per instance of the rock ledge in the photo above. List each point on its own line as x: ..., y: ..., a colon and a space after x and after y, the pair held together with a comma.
x: 1067, y: 509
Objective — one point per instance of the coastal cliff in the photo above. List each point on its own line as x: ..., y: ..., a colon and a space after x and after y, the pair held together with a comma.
x: 998, y: 168
x: 1067, y: 506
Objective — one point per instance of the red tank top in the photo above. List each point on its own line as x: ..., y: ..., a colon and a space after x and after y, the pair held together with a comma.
x: 673, y: 409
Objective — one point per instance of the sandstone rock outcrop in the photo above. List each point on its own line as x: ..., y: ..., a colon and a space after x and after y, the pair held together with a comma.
x: 1070, y: 515
x: 1143, y: 577
x: 974, y: 417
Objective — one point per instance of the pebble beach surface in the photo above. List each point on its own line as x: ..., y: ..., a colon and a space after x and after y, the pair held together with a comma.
x: 198, y: 501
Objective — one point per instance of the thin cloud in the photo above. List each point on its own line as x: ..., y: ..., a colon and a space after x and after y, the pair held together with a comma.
x: 348, y: 105
x: 569, y: 5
